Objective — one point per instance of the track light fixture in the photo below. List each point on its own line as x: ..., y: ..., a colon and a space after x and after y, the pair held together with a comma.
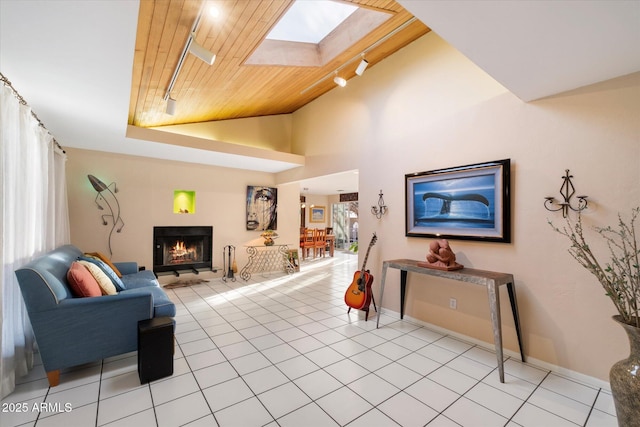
x: 339, y: 80
x: 362, y: 66
x: 200, y: 51
x: 363, y: 62
x: 192, y: 46
x: 171, y: 106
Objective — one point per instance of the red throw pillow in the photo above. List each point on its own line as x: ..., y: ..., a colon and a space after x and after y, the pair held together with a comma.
x: 81, y: 281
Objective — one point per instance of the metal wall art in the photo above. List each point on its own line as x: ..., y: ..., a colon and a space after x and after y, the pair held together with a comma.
x: 567, y: 190
x: 104, y: 195
x: 381, y: 208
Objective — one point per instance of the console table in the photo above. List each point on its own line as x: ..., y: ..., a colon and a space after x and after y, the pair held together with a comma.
x: 263, y: 259
x: 490, y: 279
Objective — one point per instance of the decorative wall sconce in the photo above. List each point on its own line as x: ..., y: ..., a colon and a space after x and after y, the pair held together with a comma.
x: 567, y: 190
x: 381, y: 209
x: 103, y: 190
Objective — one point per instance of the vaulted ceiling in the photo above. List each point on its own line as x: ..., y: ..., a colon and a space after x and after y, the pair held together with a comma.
x: 73, y: 60
x: 237, y: 84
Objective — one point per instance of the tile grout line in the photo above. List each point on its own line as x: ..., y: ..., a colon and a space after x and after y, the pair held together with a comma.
x: 232, y: 366
x: 316, y: 297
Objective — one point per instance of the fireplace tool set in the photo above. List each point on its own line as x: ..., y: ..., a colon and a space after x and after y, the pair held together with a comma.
x: 229, y: 259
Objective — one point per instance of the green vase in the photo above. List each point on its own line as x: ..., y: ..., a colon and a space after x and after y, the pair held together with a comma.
x: 624, y: 378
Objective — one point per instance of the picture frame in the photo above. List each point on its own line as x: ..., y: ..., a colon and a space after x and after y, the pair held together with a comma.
x: 262, y: 208
x: 317, y: 214
x: 471, y: 202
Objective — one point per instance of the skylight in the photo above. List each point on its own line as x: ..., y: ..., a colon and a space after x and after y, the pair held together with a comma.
x: 310, y: 21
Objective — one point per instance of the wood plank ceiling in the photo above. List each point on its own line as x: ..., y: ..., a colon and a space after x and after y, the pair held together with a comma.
x: 229, y: 88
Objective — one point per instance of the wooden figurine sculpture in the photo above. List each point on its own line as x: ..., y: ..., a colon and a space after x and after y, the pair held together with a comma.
x: 441, y: 257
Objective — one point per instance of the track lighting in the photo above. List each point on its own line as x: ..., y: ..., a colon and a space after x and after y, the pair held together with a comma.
x: 171, y: 106
x: 362, y: 66
x: 200, y: 51
x: 191, y: 45
x: 339, y: 81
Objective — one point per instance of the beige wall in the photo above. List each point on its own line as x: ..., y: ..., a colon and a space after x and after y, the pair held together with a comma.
x: 428, y: 107
x: 145, y: 194
x: 269, y: 132
x: 424, y: 108
x: 318, y: 200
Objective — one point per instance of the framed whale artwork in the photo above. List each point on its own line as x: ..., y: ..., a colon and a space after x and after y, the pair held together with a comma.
x: 471, y: 202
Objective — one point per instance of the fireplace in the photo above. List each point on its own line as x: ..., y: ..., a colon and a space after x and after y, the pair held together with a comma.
x: 177, y: 249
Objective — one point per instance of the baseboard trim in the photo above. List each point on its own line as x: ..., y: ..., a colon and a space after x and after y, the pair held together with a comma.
x: 564, y: 372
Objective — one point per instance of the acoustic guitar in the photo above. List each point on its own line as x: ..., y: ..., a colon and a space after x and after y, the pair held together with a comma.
x: 358, y: 294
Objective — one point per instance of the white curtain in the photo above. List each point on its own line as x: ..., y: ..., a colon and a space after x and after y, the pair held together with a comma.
x: 33, y: 219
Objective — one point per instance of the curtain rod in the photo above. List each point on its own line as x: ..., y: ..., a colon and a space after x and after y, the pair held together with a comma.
x: 24, y: 102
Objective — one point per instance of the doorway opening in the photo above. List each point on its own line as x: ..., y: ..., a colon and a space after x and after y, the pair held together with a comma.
x: 345, y: 224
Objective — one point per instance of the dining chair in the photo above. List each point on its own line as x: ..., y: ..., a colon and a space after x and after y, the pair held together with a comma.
x: 308, y: 242
x: 320, y: 242
x: 331, y: 241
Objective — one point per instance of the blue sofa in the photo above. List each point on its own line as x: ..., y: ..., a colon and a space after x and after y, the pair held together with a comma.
x: 71, y: 331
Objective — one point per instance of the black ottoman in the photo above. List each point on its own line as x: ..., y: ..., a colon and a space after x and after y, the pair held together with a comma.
x: 155, y: 348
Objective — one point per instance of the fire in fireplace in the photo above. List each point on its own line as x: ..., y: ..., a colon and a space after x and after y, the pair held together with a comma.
x: 178, y: 249
x: 181, y: 253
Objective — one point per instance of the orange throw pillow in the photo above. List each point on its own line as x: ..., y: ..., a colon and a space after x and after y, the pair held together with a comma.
x: 81, y: 281
x: 106, y: 260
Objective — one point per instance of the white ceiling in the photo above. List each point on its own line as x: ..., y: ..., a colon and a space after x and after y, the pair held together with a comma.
x: 72, y: 60
x: 346, y: 182
x: 539, y: 48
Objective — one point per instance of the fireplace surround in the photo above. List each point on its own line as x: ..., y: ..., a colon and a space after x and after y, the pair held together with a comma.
x: 182, y: 249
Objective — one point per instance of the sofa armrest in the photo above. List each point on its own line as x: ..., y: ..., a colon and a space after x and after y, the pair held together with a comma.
x: 81, y: 330
x: 125, y: 268
x: 81, y: 314
x: 114, y: 303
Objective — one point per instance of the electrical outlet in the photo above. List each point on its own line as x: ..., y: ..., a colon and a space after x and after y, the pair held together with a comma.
x: 453, y: 303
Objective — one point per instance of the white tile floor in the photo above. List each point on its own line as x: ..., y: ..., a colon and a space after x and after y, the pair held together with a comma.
x: 282, y: 351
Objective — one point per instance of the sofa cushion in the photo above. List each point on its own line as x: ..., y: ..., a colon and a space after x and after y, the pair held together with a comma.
x: 162, y: 305
x: 141, y: 279
x: 106, y: 270
x: 81, y: 281
x: 106, y: 286
x: 106, y: 260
